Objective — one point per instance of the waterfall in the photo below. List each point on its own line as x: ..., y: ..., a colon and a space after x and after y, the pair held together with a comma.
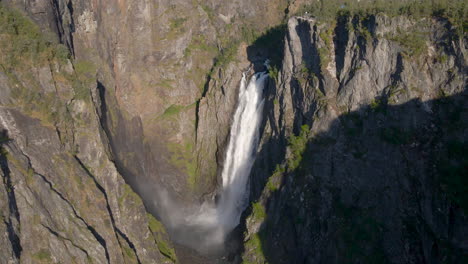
x: 207, y: 227
x: 241, y: 150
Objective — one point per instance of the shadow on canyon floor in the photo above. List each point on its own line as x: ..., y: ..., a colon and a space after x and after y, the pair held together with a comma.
x: 384, y: 184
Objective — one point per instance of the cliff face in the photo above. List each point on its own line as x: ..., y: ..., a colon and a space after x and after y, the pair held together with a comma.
x: 154, y: 64
x: 363, y: 140
x: 62, y: 198
x: 374, y: 112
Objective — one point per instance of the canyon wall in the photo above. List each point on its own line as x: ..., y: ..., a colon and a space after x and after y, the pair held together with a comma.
x: 363, y: 143
x: 371, y: 113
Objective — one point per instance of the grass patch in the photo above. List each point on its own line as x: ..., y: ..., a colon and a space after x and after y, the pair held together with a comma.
x: 172, y: 110
x: 273, y: 181
x: 297, y: 145
x: 182, y: 158
x: 324, y: 55
x: 176, y: 24
x: 161, y: 237
x: 226, y: 55
x: 154, y: 225
x: 129, y: 252
x: 209, y: 12
x: 198, y: 43
x: 254, y: 246
x: 43, y: 256
x: 258, y: 211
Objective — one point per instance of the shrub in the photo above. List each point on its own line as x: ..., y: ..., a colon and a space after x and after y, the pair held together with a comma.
x: 328, y: 9
x: 177, y: 23
x: 258, y: 211
x: 273, y: 72
x: 413, y: 43
x: 297, y: 145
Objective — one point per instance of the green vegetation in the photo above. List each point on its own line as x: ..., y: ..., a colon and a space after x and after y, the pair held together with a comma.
x: 254, y: 247
x: 258, y: 211
x: 327, y: 35
x: 128, y: 194
x: 172, y: 110
x: 129, y: 252
x: 209, y: 11
x: 43, y: 256
x: 226, y: 55
x: 84, y: 77
x: 297, y: 145
x: 198, y: 43
x: 274, y: 180
x: 161, y: 237
x: 454, y: 10
x: 22, y: 41
x: 413, y: 43
x: 154, y: 225
x: 273, y: 73
x: 182, y: 158
x: 24, y: 51
x: 177, y: 23
x: 271, y: 185
x: 376, y: 104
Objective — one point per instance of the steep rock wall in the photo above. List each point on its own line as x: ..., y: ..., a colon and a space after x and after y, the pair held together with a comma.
x: 368, y: 108
x: 62, y: 198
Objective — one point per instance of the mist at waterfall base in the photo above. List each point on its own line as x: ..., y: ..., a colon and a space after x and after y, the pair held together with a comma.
x: 205, y: 227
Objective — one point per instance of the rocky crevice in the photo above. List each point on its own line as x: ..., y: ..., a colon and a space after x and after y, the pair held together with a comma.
x: 100, y: 239
x: 13, y: 219
x: 60, y: 237
x: 103, y: 191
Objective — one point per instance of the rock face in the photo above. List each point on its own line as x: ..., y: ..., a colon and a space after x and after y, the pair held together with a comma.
x: 156, y: 62
x: 374, y: 110
x: 62, y: 198
x: 363, y: 143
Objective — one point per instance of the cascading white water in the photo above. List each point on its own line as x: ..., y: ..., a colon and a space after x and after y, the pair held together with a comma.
x: 208, y: 226
x: 241, y: 150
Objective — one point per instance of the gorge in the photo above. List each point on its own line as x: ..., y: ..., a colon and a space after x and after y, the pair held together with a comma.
x: 153, y: 132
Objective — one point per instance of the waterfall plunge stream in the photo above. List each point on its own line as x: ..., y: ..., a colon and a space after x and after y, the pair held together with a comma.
x: 207, y: 228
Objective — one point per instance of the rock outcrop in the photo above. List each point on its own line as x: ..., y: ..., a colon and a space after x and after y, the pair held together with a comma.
x: 373, y: 111
x: 62, y: 198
